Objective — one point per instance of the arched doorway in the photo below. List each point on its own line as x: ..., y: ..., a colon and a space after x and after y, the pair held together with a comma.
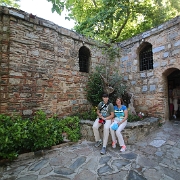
x: 173, y: 82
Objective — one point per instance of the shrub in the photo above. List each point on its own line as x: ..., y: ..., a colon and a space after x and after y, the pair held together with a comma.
x: 13, y: 135
x: 116, y: 81
x: 95, y: 89
x: 88, y: 115
x: 70, y: 125
x: 135, y: 117
x: 44, y: 132
x: 18, y: 135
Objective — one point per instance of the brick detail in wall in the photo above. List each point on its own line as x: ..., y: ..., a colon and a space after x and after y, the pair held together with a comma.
x: 40, y: 66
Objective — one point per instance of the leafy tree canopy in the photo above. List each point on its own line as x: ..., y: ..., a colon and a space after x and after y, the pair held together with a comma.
x: 11, y: 3
x: 116, y: 20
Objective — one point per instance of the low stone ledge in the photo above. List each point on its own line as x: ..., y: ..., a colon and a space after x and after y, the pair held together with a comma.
x: 144, y: 122
x: 134, y: 131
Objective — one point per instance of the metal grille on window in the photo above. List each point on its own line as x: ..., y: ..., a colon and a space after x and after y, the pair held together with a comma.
x: 83, y: 63
x: 146, y: 58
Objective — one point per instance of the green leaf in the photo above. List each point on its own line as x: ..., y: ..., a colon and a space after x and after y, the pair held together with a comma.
x: 114, y: 20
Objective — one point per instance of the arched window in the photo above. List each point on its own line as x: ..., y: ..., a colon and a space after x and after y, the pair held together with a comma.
x: 84, y: 56
x: 146, y: 57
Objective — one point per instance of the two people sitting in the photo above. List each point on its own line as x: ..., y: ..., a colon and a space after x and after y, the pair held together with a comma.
x: 114, y: 119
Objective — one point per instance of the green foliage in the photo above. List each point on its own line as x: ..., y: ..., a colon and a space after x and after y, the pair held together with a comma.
x: 160, y: 124
x: 19, y: 135
x: 70, y: 125
x: 114, y: 20
x: 43, y: 132
x: 95, y: 86
x: 11, y: 3
x: 133, y: 117
x: 88, y: 115
x: 112, y: 52
x: 116, y: 81
x: 13, y: 134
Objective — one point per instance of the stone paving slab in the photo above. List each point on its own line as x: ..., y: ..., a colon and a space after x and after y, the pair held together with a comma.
x: 156, y: 157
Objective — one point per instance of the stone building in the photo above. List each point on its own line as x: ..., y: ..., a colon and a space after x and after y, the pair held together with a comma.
x: 45, y: 66
x: 150, y: 63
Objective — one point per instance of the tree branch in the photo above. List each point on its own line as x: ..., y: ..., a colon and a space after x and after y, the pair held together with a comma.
x: 122, y: 27
x: 94, y: 2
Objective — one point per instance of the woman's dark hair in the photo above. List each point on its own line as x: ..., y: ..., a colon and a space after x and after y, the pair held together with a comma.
x: 122, y: 102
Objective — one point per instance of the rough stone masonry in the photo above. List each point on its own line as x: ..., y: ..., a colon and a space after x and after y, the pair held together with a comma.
x: 39, y: 64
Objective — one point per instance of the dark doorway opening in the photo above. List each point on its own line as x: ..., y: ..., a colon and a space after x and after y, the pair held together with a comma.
x: 174, y: 83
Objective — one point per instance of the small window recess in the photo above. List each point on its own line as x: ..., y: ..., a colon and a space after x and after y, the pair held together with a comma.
x: 146, y: 57
x: 84, y: 57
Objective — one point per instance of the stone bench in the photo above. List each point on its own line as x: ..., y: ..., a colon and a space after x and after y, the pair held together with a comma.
x: 133, y: 132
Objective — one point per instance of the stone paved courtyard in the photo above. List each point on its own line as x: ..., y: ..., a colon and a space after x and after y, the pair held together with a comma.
x: 156, y: 157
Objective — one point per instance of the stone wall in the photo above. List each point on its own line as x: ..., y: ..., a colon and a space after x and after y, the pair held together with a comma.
x: 133, y: 132
x: 150, y: 87
x: 39, y: 64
